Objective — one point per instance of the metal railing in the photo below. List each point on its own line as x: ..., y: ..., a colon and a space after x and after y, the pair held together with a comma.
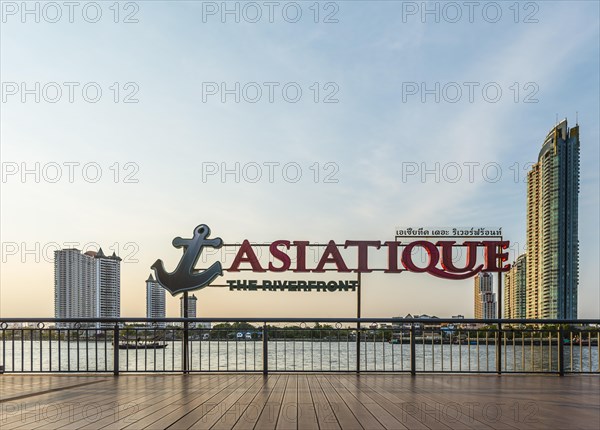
x: 299, y: 345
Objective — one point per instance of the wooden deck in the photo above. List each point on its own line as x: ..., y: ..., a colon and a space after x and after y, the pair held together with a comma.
x: 300, y: 401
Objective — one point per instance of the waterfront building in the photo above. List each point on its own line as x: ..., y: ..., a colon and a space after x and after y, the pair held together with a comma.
x: 192, y: 300
x: 400, y: 324
x: 74, y: 284
x: 191, y: 306
x: 484, y: 296
x: 86, y: 285
x: 108, y: 285
x: 552, y: 274
x: 515, y: 289
x: 155, y: 300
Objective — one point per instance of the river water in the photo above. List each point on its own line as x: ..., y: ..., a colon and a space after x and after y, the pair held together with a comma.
x: 291, y: 356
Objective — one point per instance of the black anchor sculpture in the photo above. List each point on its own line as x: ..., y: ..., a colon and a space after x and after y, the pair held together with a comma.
x: 185, y: 277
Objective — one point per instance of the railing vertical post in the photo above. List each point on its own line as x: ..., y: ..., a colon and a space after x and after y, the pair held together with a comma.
x: 185, y: 347
x: 265, y: 338
x: 498, y: 341
x: 561, y: 351
x: 358, y: 347
x: 413, y: 361
x: 115, y: 350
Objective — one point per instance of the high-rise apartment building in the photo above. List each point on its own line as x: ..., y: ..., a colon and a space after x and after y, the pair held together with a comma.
x: 191, y: 306
x: 515, y: 289
x: 155, y: 300
x: 552, y: 273
x: 86, y: 285
x: 74, y: 284
x: 484, y: 296
x: 108, y: 285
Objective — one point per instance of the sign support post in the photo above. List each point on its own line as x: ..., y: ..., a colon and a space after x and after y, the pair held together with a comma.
x: 116, y: 340
x: 499, y: 316
x: 184, y: 363
x: 358, y: 306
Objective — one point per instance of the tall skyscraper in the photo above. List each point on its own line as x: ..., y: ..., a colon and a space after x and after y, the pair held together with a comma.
x: 86, y: 285
x: 191, y: 306
x: 108, y: 285
x: 155, y: 300
x: 74, y: 284
x: 552, y: 227
x: 484, y: 296
x: 515, y: 289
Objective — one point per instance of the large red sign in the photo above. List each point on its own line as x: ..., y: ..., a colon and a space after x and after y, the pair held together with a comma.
x: 399, y: 257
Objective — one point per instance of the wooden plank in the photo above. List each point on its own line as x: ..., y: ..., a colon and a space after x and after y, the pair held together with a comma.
x: 251, y: 414
x: 35, y: 411
x: 326, y: 418
x: 235, y: 411
x: 501, y: 403
x: 362, y: 399
x: 133, y: 397
x: 288, y: 414
x: 394, y: 405
x: 16, y: 387
x: 454, y: 409
x: 307, y: 415
x: 116, y: 400
x: 362, y: 414
x: 68, y: 406
x: 116, y: 404
x: 344, y: 415
x: 428, y: 406
x: 170, y: 399
x: 270, y: 413
x: 420, y: 408
x: 206, y: 414
x: 189, y: 399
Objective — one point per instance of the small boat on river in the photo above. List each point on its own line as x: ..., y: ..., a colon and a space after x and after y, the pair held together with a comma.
x: 142, y: 345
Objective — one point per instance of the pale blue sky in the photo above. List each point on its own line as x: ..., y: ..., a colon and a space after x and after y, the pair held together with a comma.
x: 369, y: 134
